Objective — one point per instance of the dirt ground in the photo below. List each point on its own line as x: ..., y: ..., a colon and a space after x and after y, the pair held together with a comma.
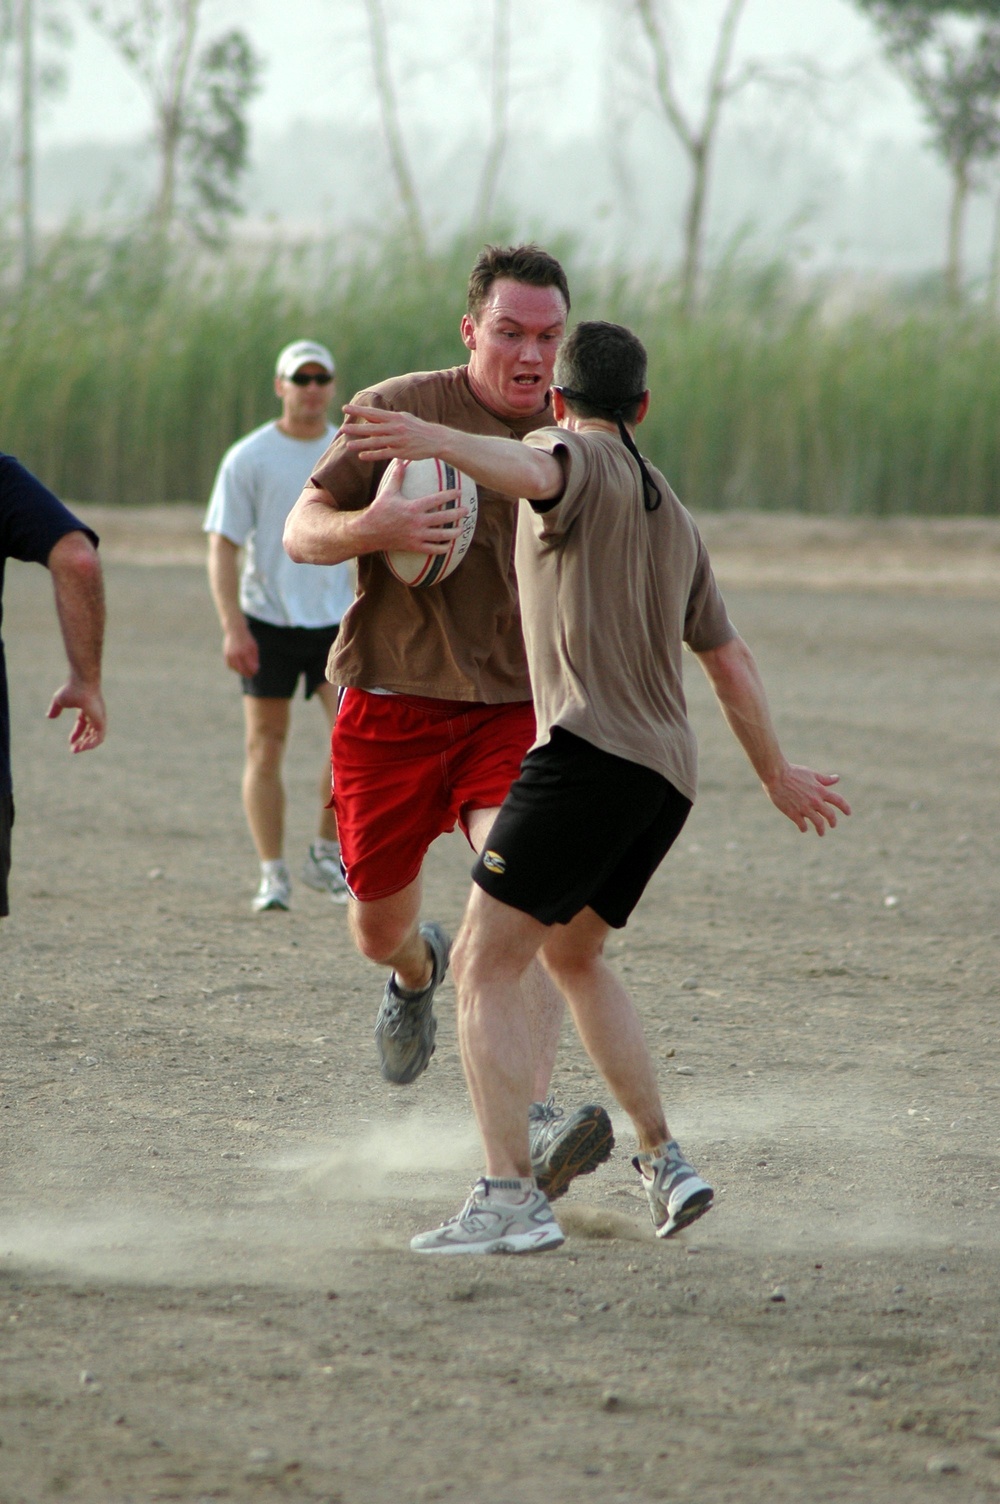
x: 207, y: 1192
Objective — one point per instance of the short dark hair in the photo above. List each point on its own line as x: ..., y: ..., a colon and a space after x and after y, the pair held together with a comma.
x: 521, y: 263
x: 603, y: 368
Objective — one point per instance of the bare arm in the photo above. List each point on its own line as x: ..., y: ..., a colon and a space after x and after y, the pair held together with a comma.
x: 316, y: 532
x: 806, y: 797
x: 505, y: 465
x: 239, y: 646
x: 79, y: 592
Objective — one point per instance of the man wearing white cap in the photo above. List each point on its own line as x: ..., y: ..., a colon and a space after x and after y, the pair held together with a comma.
x: 278, y: 619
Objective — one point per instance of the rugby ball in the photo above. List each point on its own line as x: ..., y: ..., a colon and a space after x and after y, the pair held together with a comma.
x: 423, y: 478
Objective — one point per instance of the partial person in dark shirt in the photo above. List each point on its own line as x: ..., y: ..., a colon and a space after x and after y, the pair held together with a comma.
x: 37, y: 528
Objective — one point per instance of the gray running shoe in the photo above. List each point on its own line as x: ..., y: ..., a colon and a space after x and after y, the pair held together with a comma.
x: 485, y: 1225
x: 274, y: 892
x: 323, y: 874
x: 406, y: 1026
x: 562, y: 1148
x: 677, y: 1194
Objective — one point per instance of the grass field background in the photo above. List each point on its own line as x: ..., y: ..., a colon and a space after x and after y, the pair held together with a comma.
x: 126, y: 374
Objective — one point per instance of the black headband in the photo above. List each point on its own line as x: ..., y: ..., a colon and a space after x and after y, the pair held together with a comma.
x: 651, y: 497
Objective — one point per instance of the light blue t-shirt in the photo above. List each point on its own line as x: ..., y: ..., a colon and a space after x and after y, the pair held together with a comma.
x: 258, y: 483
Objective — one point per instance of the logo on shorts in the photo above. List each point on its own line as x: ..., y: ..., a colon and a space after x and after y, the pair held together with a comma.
x: 494, y: 862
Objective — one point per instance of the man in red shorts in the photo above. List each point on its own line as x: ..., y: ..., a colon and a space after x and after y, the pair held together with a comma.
x: 436, y: 712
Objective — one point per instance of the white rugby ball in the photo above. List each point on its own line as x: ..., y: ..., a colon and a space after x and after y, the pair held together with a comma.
x: 423, y: 478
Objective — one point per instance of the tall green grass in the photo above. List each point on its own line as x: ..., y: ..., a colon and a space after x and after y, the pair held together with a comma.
x: 125, y: 376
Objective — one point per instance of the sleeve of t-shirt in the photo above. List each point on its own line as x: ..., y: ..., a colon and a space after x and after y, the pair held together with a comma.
x: 557, y: 516
x: 32, y: 520
x: 350, y: 481
x: 706, y: 621
x: 232, y: 506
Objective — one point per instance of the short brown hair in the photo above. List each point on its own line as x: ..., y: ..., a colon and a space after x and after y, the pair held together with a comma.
x: 521, y: 263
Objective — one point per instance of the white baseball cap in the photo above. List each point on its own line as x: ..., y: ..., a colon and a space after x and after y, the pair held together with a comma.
x: 302, y: 352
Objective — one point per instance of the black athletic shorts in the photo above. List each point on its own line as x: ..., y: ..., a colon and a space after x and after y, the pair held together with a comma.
x: 580, y: 828
x: 285, y: 653
x: 6, y: 824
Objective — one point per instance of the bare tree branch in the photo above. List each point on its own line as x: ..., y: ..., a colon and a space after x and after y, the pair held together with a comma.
x: 386, y: 94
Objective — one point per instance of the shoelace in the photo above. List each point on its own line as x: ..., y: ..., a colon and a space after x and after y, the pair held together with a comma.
x: 549, y: 1113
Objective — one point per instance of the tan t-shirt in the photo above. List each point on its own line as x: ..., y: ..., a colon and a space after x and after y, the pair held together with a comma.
x: 460, y: 640
x: 609, y: 592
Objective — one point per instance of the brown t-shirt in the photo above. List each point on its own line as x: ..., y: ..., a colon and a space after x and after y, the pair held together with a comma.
x: 460, y: 640
x: 609, y: 593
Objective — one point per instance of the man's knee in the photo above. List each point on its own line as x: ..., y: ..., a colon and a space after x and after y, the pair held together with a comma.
x: 567, y: 955
x: 265, y: 749
x: 378, y: 934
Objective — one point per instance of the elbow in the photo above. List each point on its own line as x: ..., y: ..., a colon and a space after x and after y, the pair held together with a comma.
x: 292, y: 542
x: 75, y: 554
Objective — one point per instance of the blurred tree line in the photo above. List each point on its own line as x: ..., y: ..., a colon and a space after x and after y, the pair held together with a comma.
x: 134, y: 356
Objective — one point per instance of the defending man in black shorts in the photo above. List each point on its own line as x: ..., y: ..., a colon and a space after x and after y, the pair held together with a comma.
x: 614, y: 580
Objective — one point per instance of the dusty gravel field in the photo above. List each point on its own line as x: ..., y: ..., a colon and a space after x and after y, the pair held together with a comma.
x: 207, y: 1192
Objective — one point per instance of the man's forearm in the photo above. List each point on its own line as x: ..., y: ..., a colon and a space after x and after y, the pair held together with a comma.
x: 224, y: 580
x: 504, y: 465
x: 735, y: 678
x: 79, y: 592
x: 317, y: 533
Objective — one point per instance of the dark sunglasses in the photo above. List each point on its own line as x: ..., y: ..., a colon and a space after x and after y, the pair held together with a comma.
x: 301, y: 380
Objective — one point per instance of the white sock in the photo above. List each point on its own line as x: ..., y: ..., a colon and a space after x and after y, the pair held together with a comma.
x: 277, y: 868
x: 322, y: 848
x: 510, y: 1190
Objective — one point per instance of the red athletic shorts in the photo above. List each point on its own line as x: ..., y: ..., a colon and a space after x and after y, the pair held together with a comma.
x: 406, y: 769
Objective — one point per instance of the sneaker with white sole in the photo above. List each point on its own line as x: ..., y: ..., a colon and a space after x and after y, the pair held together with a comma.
x: 488, y: 1225
x: 406, y: 1027
x: 564, y: 1147
x: 677, y: 1194
x: 274, y: 892
x: 322, y: 872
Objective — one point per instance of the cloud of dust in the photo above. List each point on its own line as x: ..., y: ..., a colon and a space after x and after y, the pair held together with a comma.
x: 415, y: 1157
x: 314, y: 1208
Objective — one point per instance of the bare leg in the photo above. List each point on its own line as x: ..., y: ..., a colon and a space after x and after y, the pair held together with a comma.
x: 266, y: 723
x: 494, y: 949
x: 607, y: 1021
x: 544, y: 1005
x: 327, y: 696
x: 385, y: 930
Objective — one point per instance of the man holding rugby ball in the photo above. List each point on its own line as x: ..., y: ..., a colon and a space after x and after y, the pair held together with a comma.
x: 436, y: 711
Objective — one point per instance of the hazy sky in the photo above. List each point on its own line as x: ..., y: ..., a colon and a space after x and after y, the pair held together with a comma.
x: 317, y: 64
x: 835, y: 172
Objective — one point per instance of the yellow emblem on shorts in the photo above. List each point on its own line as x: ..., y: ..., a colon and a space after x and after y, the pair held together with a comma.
x: 494, y: 862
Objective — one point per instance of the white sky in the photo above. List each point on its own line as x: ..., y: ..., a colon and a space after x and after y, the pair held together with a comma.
x: 317, y: 64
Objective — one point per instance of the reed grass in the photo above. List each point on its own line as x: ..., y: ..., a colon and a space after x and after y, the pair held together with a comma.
x: 126, y: 374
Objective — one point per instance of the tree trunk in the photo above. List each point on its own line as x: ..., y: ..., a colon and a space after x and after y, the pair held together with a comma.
x: 26, y: 135
x: 171, y: 108
x: 956, y: 225
x: 405, y: 185
x: 499, y: 100
x: 698, y: 141
x: 694, y: 227
x: 993, y: 281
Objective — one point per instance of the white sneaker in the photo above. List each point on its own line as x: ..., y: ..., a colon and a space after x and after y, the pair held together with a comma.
x: 487, y: 1225
x: 275, y: 891
x: 323, y: 874
x: 677, y: 1194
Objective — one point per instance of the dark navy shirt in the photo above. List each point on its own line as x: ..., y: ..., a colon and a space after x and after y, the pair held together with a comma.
x: 32, y: 521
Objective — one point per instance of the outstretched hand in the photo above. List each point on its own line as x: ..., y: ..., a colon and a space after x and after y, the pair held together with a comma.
x: 418, y: 524
x: 375, y: 434
x: 807, y: 798
x: 91, y: 723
